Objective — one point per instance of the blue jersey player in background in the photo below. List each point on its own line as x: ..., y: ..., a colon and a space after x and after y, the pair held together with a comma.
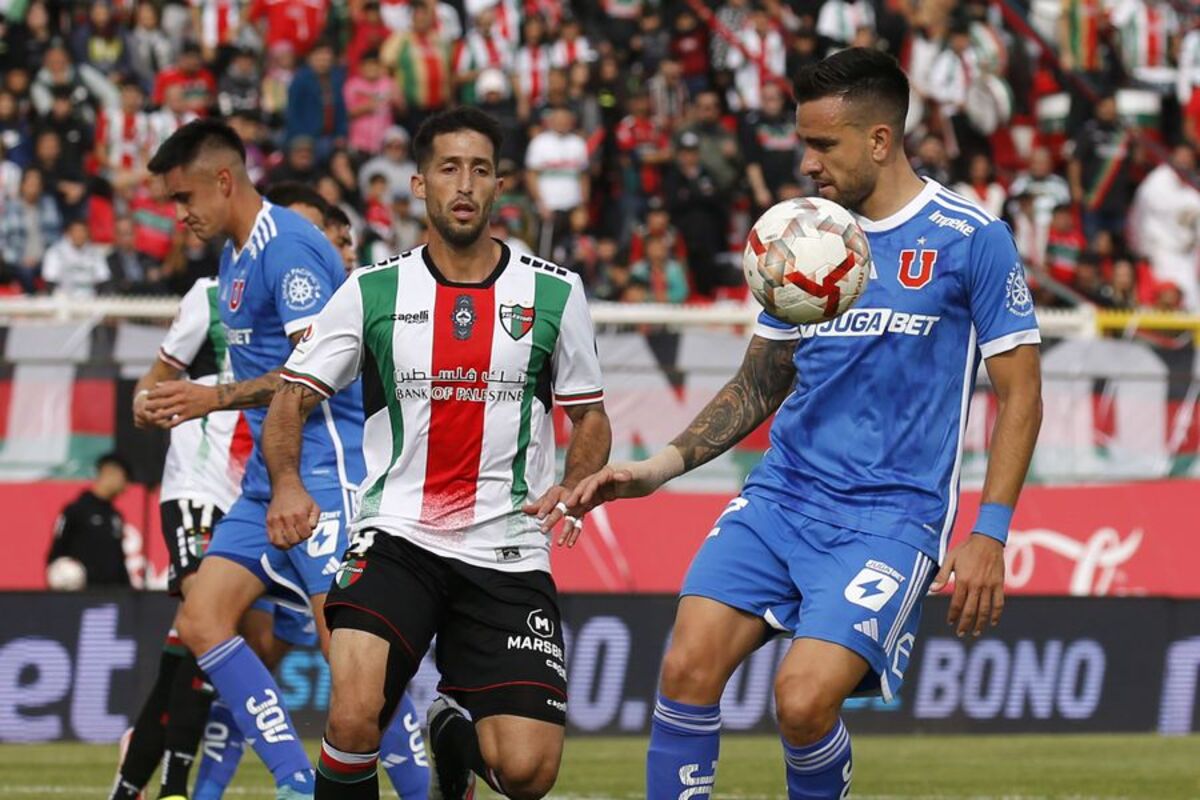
x: 277, y: 271
x: 839, y: 532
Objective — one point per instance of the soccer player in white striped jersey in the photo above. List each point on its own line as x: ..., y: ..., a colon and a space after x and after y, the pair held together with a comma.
x: 463, y: 349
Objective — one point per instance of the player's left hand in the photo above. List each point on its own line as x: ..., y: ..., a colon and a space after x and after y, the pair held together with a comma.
x: 978, y: 568
x: 551, y: 509
x: 173, y: 402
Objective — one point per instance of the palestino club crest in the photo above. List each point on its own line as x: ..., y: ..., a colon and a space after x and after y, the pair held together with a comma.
x: 463, y: 317
x: 516, y: 320
x: 235, y: 294
x: 349, y: 572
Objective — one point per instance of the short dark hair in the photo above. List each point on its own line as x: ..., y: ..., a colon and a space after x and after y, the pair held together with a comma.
x: 114, y: 460
x: 335, y: 216
x: 462, y: 118
x: 862, y: 75
x: 288, y: 193
x: 185, y: 145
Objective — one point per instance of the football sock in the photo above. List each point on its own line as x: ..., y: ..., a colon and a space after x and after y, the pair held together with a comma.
x: 685, y: 741
x: 347, y: 776
x: 821, y: 770
x: 251, y: 693
x: 402, y: 753
x: 220, y: 753
x: 458, y: 748
x: 149, y: 732
x: 186, y: 712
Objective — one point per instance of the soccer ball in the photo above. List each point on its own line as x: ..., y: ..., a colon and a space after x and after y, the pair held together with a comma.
x: 806, y: 260
x: 65, y: 574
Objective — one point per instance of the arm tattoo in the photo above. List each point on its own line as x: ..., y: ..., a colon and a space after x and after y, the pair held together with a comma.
x: 253, y: 393
x: 760, y: 385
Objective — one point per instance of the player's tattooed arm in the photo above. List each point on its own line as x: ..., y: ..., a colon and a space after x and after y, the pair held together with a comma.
x: 587, y: 452
x: 251, y: 393
x: 292, y: 513
x: 751, y: 396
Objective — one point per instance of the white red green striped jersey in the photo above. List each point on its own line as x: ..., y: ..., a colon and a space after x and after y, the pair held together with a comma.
x: 458, y: 384
x: 206, y: 459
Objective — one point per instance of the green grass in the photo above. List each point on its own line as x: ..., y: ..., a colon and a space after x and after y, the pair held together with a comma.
x: 885, y: 767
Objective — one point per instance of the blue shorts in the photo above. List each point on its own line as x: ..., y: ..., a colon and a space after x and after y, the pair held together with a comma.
x: 817, y: 581
x: 291, y: 626
x: 291, y: 576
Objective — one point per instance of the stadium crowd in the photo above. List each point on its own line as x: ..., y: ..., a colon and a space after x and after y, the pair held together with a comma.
x: 642, y: 138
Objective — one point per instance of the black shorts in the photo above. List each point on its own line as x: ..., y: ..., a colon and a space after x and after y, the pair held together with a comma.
x: 187, y: 528
x: 499, y: 634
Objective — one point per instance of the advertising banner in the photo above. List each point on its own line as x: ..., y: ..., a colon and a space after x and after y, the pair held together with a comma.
x: 77, y: 667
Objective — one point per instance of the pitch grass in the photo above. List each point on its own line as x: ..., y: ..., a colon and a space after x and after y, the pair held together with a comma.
x: 1010, y: 767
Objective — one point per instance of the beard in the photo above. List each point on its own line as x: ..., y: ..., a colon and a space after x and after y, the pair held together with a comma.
x: 455, y: 233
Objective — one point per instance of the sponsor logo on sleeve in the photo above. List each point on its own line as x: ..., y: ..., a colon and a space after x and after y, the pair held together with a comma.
x: 1017, y: 297
x: 301, y: 289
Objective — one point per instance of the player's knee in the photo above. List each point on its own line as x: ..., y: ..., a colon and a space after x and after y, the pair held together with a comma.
x: 688, y: 677
x: 805, y: 712
x: 353, y: 727
x: 200, y: 632
x: 528, y: 775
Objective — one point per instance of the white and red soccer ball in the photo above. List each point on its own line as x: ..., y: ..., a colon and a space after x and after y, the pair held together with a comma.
x: 806, y: 260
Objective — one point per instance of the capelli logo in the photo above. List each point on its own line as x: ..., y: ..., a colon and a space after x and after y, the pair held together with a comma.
x: 412, y: 317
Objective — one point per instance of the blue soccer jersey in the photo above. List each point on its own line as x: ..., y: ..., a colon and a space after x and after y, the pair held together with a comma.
x: 270, y: 289
x: 871, y: 437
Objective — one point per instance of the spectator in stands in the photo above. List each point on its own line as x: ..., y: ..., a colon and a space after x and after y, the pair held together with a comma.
x: 668, y: 95
x: 483, y: 48
x: 981, y: 185
x: 420, y: 58
x: 718, y: 148
x: 804, y: 49
x: 300, y: 164
x: 572, y: 47
x: 770, y: 147
x: 1046, y: 189
x: 931, y: 159
x: 63, y: 180
x: 296, y: 23
x: 10, y: 179
x: 343, y: 172
x: 240, y: 86
x: 619, y: 20
x: 316, y: 106
x: 100, y: 42
x: 557, y: 175
x: 689, y: 46
x: 154, y: 223
x: 651, y: 45
x: 513, y: 204
x: 731, y: 17
x: 14, y: 131
x: 73, y: 266
x: 577, y: 250
x: 393, y: 163
x: 32, y: 39
x: 130, y: 272
x: 189, y: 73
x: 1164, y: 223
x: 555, y: 96
x: 173, y: 115
x: 494, y: 97
x: 1123, y: 286
x: 150, y: 51
x: 1101, y: 170
x: 74, y: 133
x: 124, y: 138
x: 1168, y: 298
x: 759, y: 58
x: 1088, y: 284
x: 90, y: 529
x: 87, y: 87
x: 586, y: 104
x: 408, y: 230
x: 531, y: 67
x: 31, y: 223
x: 248, y: 127
x: 664, y: 277
x: 277, y: 80
x: 368, y: 32
x: 699, y: 210
x: 1065, y: 245
x: 614, y: 281
x: 657, y: 227
x: 839, y: 20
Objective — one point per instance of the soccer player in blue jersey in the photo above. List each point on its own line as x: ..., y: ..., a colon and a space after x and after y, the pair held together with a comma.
x: 839, y: 531
x: 276, y: 273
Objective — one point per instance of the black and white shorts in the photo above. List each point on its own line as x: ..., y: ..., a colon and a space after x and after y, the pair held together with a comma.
x: 499, y: 634
x: 187, y: 527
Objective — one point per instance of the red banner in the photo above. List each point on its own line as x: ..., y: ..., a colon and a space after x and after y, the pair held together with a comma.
x: 1113, y: 539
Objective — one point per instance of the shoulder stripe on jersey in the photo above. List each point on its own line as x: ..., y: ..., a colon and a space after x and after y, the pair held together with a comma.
x: 547, y: 267
x: 272, y: 228
x: 957, y: 199
x: 170, y: 359
x: 306, y: 380
x: 976, y: 213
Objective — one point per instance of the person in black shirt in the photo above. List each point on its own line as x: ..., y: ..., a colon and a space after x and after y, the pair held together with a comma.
x: 770, y: 147
x: 89, y: 530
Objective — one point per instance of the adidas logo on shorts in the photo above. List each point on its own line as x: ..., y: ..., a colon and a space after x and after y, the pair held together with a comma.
x: 868, y: 628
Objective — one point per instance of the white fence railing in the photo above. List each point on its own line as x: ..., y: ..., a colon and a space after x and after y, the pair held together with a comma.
x: 1054, y: 322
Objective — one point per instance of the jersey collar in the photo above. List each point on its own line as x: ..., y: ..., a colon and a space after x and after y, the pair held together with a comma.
x: 484, y: 284
x: 258, y: 222
x: 902, y: 216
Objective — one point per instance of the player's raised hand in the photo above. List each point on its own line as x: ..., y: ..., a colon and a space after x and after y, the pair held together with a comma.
x: 978, y: 568
x: 621, y: 479
x: 292, y: 515
x: 551, y: 509
x: 173, y: 402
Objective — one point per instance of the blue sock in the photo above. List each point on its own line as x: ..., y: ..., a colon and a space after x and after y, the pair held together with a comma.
x: 402, y: 753
x: 820, y: 771
x: 220, y: 753
x: 684, y: 743
x: 251, y: 694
